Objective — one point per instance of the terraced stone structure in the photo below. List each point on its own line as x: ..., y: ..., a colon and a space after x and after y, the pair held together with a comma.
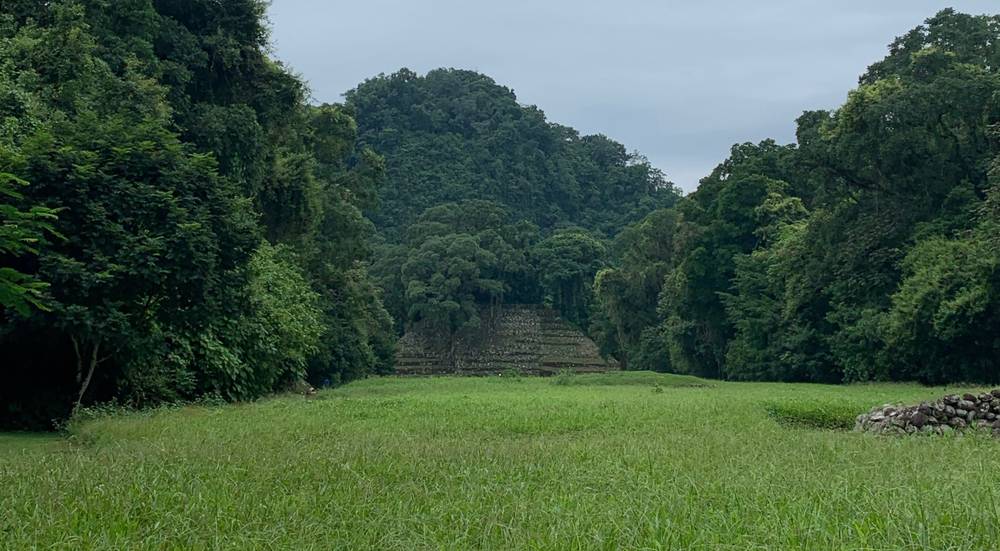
x: 951, y: 413
x: 530, y: 340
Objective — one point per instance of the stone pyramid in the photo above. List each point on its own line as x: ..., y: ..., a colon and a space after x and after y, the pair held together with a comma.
x: 528, y: 339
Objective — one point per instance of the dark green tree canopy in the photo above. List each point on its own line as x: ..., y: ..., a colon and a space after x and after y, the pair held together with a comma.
x: 862, y: 252
x: 455, y: 135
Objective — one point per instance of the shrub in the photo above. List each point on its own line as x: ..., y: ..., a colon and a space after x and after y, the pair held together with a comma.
x: 814, y: 414
x: 563, y: 378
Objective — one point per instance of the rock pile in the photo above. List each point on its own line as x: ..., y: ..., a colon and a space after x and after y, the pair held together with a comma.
x: 951, y: 413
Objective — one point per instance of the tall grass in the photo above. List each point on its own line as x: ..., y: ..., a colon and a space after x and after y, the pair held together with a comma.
x: 500, y: 463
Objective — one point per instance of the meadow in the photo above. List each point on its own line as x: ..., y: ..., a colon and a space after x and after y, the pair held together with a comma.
x: 615, y: 461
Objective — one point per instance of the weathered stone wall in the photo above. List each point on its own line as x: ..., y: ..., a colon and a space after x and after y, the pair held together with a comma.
x: 951, y: 413
x: 525, y: 339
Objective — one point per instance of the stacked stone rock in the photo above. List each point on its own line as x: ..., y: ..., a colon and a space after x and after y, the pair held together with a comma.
x: 508, y: 342
x: 515, y: 338
x: 563, y: 346
x: 951, y: 413
x: 416, y: 356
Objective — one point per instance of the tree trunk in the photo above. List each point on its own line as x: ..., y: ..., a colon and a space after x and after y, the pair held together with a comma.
x: 451, y: 353
x: 622, y: 345
x: 84, y: 381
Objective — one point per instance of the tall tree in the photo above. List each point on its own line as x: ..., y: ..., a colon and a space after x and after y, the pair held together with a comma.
x: 567, y: 262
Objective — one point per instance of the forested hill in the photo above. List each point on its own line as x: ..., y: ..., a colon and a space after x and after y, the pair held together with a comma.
x: 457, y: 135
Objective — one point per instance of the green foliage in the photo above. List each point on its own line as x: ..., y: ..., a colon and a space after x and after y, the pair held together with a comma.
x: 21, y: 232
x: 771, y: 341
x: 287, y: 320
x: 941, y: 323
x: 567, y: 262
x: 459, y: 255
x: 214, y: 236
x: 626, y: 294
x: 443, y: 278
x: 719, y: 223
x: 454, y: 135
x: 816, y: 414
x: 864, y: 252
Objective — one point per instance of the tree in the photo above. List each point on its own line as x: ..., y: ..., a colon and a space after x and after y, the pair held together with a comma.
x: 567, y: 262
x: 940, y: 326
x: 21, y: 232
x: 719, y: 223
x: 445, y: 279
x: 627, y: 293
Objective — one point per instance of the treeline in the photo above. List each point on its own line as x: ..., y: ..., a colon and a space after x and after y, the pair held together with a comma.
x: 868, y: 251
x: 175, y: 220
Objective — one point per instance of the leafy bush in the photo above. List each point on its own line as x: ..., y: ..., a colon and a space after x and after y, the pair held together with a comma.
x: 563, y: 378
x: 814, y: 414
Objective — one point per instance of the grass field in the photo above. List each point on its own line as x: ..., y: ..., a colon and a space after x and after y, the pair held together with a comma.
x: 618, y: 461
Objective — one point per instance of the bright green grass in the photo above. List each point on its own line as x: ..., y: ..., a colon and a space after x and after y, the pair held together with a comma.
x: 503, y: 463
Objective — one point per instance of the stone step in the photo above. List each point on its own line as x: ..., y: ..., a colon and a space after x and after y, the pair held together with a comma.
x: 571, y: 362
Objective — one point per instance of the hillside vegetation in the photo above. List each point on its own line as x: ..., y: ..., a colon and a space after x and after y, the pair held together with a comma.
x: 620, y: 461
x: 486, y: 201
x: 454, y: 135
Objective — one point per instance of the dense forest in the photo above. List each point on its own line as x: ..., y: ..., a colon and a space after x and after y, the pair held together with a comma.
x: 866, y: 251
x: 456, y: 135
x: 178, y: 221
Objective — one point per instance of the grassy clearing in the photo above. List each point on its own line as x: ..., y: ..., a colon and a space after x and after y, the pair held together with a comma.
x: 503, y: 463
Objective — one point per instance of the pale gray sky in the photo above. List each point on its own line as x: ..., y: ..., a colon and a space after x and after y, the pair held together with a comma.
x: 678, y: 81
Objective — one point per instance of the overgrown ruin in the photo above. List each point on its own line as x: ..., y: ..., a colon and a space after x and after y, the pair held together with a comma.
x: 525, y: 339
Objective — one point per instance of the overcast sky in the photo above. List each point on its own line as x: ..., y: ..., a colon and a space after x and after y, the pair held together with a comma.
x: 678, y: 81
